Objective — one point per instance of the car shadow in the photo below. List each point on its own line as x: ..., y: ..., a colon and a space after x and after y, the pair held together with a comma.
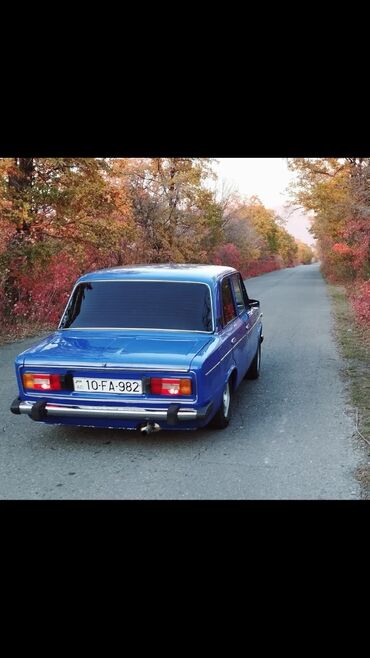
x: 96, y: 436
x: 99, y: 437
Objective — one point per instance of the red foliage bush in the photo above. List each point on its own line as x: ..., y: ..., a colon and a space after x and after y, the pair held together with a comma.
x: 263, y: 266
x: 43, y: 290
x: 229, y: 255
x: 349, y: 259
x: 336, y: 261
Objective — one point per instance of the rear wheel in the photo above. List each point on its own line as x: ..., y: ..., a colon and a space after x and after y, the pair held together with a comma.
x: 222, y: 417
x: 254, y: 368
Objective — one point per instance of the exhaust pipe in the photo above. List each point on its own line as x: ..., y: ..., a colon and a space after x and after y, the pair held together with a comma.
x: 149, y: 428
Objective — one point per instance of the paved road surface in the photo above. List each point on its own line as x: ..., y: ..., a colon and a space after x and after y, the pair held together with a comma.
x: 290, y: 435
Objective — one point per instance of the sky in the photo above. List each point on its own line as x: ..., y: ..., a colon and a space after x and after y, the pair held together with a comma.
x: 268, y: 179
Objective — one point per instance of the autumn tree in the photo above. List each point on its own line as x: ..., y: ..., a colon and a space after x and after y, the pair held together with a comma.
x: 338, y: 193
x: 60, y: 217
x: 260, y: 236
x: 241, y: 231
x: 305, y: 254
x: 286, y: 247
x: 176, y: 213
x: 56, y: 214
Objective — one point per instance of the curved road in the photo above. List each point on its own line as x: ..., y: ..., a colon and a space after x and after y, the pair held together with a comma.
x: 290, y: 436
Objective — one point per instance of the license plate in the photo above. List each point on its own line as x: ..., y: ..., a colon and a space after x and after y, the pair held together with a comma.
x: 99, y: 385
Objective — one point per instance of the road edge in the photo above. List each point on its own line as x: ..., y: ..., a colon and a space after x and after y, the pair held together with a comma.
x: 354, y: 345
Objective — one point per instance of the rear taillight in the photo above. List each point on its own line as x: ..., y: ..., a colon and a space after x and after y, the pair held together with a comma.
x: 42, y: 382
x: 166, y: 386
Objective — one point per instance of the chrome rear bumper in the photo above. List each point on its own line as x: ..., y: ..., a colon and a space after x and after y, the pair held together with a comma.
x: 172, y: 414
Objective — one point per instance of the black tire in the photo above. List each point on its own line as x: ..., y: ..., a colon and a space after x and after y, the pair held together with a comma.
x: 223, y: 415
x: 255, y: 367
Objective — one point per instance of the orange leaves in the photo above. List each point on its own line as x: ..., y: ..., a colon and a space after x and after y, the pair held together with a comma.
x: 342, y: 249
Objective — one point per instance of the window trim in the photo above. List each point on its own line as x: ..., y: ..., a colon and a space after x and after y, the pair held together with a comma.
x: 242, y: 288
x: 227, y: 276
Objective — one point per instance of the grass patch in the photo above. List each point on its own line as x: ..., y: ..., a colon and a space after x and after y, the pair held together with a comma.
x: 354, y: 343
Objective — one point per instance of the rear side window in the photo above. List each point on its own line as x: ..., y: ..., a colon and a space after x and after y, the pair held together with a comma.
x: 228, y: 308
x: 139, y: 305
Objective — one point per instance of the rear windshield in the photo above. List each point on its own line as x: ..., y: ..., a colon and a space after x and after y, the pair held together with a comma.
x: 139, y: 305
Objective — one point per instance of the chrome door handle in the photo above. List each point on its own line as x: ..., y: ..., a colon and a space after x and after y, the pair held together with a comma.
x: 233, y: 340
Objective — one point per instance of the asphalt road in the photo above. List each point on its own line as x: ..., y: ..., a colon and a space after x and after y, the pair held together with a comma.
x: 291, y: 434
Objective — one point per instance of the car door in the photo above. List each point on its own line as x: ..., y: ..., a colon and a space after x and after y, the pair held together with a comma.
x: 234, y: 329
x: 244, y: 348
x: 252, y: 325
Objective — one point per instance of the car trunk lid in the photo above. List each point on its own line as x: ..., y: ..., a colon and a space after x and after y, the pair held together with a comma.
x: 112, y: 349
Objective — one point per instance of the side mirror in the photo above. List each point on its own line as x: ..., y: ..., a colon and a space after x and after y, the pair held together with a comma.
x: 253, y: 303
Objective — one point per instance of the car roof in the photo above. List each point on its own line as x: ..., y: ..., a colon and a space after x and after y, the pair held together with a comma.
x: 165, y: 272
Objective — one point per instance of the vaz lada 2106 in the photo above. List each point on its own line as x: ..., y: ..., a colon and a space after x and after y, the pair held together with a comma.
x: 145, y: 347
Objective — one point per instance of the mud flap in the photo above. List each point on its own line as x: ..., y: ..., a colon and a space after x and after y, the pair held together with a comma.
x: 172, y: 414
x: 38, y: 411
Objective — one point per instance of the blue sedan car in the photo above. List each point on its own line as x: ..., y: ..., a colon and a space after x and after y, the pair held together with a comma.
x: 145, y: 347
